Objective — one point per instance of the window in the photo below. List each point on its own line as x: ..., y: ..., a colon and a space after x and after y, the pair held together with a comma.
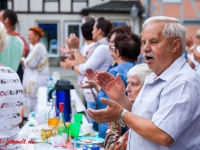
x: 73, y: 27
x: 50, y: 39
x: 119, y: 23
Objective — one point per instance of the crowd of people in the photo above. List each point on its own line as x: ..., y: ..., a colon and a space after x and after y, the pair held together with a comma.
x: 140, y: 91
x: 23, y: 70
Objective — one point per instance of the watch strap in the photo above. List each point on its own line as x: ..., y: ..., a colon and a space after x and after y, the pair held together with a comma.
x: 73, y: 67
x: 121, y: 119
x: 74, y: 50
x: 122, y: 114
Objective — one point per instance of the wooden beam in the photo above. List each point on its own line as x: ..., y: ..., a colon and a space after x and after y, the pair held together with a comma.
x: 28, y: 5
x: 40, y: 12
x: 43, y: 7
x: 59, y: 6
x: 87, y: 3
x: 72, y: 4
x: 12, y: 4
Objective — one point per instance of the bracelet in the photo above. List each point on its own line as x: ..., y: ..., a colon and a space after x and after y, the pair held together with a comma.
x: 73, y: 67
x: 22, y: 59
x: 192, y: 48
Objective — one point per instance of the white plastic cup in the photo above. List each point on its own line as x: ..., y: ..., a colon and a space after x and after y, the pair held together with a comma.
x: 87, y: 128
x: 55, y: 76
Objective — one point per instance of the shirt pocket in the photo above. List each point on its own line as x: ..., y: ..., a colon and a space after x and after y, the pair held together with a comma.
x: 148, y: 109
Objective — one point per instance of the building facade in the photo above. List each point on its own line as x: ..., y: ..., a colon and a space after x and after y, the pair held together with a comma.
x: 59, y: 18
x: 187, y: 11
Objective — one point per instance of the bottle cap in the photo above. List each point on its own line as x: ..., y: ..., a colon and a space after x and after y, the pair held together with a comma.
x: 61, y: 107
x: 91, y: 147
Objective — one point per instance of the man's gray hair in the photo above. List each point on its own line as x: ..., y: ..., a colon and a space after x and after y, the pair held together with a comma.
x: 141, y: 71
x: 173, y: 28
x: 3, y: 37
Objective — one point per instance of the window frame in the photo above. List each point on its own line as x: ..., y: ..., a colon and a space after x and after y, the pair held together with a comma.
x: 66, y: 25
x: 120, y: 20
x: 58, y: 35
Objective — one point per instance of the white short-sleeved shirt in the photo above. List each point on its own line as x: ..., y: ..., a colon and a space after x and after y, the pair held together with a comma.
x: 99, y: 60
x: 172, y: 102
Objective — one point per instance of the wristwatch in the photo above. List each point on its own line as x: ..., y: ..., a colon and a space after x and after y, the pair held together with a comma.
x: 121, y: 120
x: 74, y: 50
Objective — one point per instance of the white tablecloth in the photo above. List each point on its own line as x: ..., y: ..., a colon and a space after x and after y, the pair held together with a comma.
x: 27, y: 131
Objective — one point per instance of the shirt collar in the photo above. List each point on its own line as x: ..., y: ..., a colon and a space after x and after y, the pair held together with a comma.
x: 169, y: 72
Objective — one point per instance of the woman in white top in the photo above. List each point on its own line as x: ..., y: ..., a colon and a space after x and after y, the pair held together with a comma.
x: 11, y: 100
x: 98, y: 56
x: 36, y: 69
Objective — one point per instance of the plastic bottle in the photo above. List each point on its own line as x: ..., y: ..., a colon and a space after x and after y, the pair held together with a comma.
x: 50, y: 85
x: 52, y: 112
x: 73, y: 108
x: 55, y: 76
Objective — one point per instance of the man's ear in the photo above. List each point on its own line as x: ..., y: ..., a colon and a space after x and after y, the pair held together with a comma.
x: 99, y: 31
x: 176, y: 45
x: 117, y: 52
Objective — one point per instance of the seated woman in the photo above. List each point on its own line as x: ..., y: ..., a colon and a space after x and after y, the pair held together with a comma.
x: 136, y: 76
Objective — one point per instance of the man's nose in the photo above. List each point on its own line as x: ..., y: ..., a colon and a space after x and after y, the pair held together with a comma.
x: 146, y: 47
x: 128, y: 88
x: 109, y: 44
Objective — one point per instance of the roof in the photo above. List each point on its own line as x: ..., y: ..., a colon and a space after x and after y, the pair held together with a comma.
x: 115, y: 6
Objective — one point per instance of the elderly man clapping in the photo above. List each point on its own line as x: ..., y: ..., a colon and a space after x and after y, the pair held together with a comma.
x: 166, y: 112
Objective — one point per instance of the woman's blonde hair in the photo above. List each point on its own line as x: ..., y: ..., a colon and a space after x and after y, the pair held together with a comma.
x: 3, y: 37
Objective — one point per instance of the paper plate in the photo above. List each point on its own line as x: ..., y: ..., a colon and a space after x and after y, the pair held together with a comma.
x: 88, y: 140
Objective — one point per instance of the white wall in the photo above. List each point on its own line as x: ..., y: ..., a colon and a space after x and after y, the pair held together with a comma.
x: 51, y: 6
x: 34, y: 6
x: 65, y: 5
x: 20, y: 5
x: 9, y: 5
x: 96, y: 2
x: 78, y: 6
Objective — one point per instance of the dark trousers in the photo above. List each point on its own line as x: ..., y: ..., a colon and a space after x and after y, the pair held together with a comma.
x: 20, y: 72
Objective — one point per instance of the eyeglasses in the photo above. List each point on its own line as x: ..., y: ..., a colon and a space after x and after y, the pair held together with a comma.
x: 110, y: 41
x: 113, y: 48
